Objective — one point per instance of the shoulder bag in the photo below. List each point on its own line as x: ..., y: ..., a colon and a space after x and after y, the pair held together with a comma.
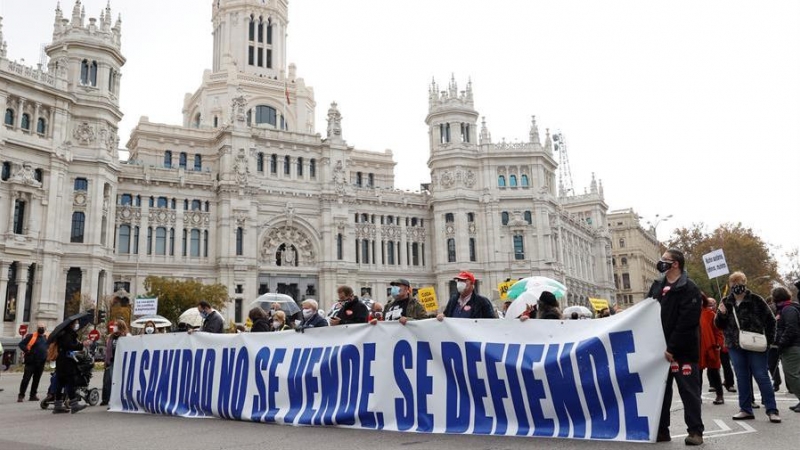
x: 748, y: 340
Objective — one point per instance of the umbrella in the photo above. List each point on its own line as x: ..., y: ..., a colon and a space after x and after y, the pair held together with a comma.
x: 583, y: 312
x: 160, y: 321
x: 84, y: 319
x: 287, y: 304
x: 191, y: 317
x: 526, y: 292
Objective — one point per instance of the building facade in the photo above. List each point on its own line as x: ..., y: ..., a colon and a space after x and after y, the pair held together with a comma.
x: 635, y: 251
x: 246, y: 193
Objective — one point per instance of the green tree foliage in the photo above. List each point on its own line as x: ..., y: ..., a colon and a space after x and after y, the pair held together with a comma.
x: 744, y: 251
x: 176, y: 296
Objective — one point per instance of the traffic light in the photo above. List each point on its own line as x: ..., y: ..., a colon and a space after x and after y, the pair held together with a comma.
x: 101, y: 316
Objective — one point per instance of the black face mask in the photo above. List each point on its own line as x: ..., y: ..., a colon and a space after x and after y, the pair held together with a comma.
x: 40, y: 331
x: 738, y: 289
x: 663, y: 266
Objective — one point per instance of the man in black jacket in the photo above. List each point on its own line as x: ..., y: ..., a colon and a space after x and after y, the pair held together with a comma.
x: 352, y: 310
x: 212, y: 320
x: 467, y: 304
x: 680, y: 318
x: 787, y: 338
x: 34, y: 347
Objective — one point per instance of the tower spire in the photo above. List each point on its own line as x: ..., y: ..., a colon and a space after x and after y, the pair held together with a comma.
x: 76, y: 15
x: 534, y: 133
x: 486, y: 137
x: 2, y: 41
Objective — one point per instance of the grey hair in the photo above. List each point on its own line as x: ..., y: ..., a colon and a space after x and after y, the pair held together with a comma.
x: 311, y: 302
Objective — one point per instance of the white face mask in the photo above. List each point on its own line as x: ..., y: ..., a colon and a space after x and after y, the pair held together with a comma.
x: 76, y: 327
x: 460, y: 286
x: 276, y: 324
x: 308, y: 312
x: 114, y: 329
x: 149, y: 330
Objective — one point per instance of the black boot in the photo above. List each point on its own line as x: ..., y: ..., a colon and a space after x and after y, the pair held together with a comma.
x: 58, y: 407
x: 75, y: 406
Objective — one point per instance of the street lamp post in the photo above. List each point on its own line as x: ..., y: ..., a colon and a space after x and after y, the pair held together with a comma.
x: 654, y: 224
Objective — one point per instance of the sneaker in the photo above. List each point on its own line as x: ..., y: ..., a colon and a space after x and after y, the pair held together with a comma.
x: 741, y: 415
x: 663, y: 437
x: 720, y: 400
x: 774, y: 417
x: 35, y: 398
x: 693, y: 439
x: 795, y: 408
x: 755, y: 405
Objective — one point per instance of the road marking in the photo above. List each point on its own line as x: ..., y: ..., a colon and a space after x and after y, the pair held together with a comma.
x: 724, y: 430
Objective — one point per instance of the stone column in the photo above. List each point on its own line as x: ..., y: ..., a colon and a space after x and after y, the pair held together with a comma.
x: 3, y: 287
x: 35, y: 123
x: 22, y: 291
x: 20, y: 108
x: 37, y: 292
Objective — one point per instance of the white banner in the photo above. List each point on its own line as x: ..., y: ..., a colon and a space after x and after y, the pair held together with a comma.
x: 582, y: 379
x: 145, y: 306
x: 715, y: 264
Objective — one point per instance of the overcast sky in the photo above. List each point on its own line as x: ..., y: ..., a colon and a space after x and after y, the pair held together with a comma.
x: 680, y: 107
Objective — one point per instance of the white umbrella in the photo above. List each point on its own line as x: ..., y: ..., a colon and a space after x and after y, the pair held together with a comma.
x: 526, y: 292
x: 583, y: 312
x: 160, y: 321
x: 191, y: 317
x: 265, y: 301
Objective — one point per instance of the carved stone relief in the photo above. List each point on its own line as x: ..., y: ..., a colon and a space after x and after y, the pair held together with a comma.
x: 84, y: 133
x: 292, y: 239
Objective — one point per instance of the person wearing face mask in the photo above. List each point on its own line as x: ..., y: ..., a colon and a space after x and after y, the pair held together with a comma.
x: 117, y: 330
x: 67, y: 367
x: 279, y: 321
x: 212, y: 320
x: 681, y: 306
x: 34, y: 347
x: 352, y: 310
x: 260, y: 320
x: 403, y: 306
x: 753, y: 314
x: 150, y: 327
x: 787, y: 338
x: 467, y: 304
x: 311, y: 318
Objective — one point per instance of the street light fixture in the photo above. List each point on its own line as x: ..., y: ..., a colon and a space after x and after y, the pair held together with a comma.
x: 656, y: 221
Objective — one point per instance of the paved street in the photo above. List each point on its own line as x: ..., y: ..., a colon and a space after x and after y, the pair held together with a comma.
x: 26, y: 426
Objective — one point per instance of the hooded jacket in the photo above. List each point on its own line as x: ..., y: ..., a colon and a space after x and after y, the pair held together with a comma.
x: 753, y: 314
x: 680, y: 316
x: 788, y: 330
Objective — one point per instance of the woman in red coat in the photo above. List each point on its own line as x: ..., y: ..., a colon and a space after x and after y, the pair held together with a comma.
x: 711, y: 341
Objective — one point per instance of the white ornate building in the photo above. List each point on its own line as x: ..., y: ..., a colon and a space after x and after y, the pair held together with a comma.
x: 246, y: 192
x: 635, y: 252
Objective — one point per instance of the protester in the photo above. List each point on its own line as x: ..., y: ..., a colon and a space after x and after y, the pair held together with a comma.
x: 34, y: 348
x: 680, y: 319
x: 279, y: 321
x: 150, y: 327
x: 67, y: 367
x: 467, y: 304
x: 311, y: 317
x: 547, y: 307
x: 351, y: 311
x: 212, y: 320
x: 773, y: 355
x: 118, y: 330
x: 746, y: 311
x: 376, y: 312
x: 261, y: 322
x: 711, y: 341
x: 787, y: 338
x: 403, y: 306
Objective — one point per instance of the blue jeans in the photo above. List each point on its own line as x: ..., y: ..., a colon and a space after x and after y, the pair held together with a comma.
x: 745, y: 364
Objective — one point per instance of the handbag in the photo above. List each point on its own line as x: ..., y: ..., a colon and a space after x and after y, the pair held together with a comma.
x: 749, y: 340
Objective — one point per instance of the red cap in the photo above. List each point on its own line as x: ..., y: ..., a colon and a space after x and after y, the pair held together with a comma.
x: 466, y: 276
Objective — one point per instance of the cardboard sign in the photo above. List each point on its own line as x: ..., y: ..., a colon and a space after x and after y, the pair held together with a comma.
x: 427, y: 296
x: 145, y: 306
x: 598, y: 303
x: 715, y: 264
x: 23, y: 330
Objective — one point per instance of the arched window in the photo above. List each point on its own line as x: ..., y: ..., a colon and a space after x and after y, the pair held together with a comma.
x: 161, y: 241
x: 126, y: 199
x: 504, y: 218
x: 525, y: 181
x: 216, y: 121
x: 364, y: 218
x: 25, y: 123
x: 624, y: 261
x: 512, y: 180
x: 528, y: 217
x: 371, y: 180
x: 78, y: 222
x: 444, y: 133
x: 251, y: 33
x: 41, y: 126
x: 300, y: 167
x: 84, y: 72
x: 451, y: 250
x: 501, y: 181
x: 206, y: 206
x: 9, y: 117
x: 196, y: 205
x: 470, y: 217
x: 198, y: 162
x: 287, y: 168
x: 358, y: 179
x: 269, y: 31
x: 449, y: 218
x: 6, y: 172
x: 93, y: 74
x: 266, y: 114
x: 260, y: 32
x: 168, y: 159
x: 163, y: 202
x: 260, y: 162
x: 38, y: 175
x: 182, y: 160
x: 273, y: 163
x: 124, y: 240
x: 312, y: 168
x: 622, y: 243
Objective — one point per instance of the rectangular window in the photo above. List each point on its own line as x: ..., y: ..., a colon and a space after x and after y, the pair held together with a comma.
x: 472, y: 255
x: 81, y: 184
x: 269, y: 59
x: 149, y: 240
x: 390, y: 252
x: 519, y: 248
x: 239, y: 241
x: 260, y: 58
x: 205, y: 244
x: 451, y: 250
x: 626, y: 281
x: 195, y: 249
x: 251, y: 55
x: 161, y: 241
x: 135, y: 240
x: 19, y: 216
x: 339, y: 246
x: 78, y: 221
x: 184, y: 244
x: 124, y: 239
x: 365, y: 251
x: 415, y: 254
x: 172, y: 242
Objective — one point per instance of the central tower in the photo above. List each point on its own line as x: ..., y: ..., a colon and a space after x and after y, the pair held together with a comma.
x: 250, y: 34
